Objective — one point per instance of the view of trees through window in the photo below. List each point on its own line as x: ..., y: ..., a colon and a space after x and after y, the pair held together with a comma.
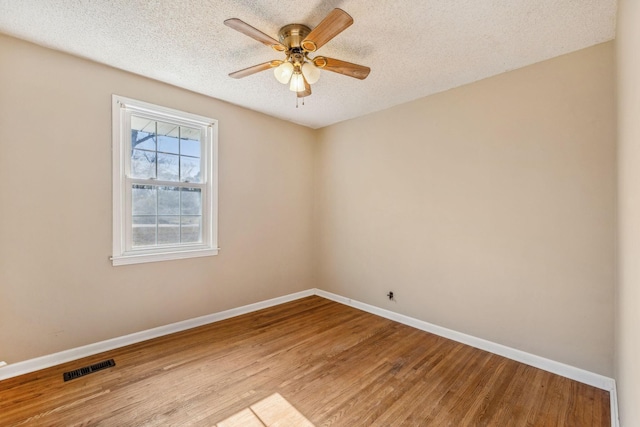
x: 165, y: 214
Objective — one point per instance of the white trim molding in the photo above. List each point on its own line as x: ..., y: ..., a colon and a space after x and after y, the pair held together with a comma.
x: 613, y: 401
x: 558, y: 368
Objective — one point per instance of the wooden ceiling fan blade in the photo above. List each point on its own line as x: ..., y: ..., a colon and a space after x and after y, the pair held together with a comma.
x: 254, y: 69
x: 307, y: 89
x: 333, y: 24
x: 342, y: 67
x: 254, y: 33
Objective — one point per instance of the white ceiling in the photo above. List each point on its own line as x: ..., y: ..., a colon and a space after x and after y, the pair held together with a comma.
x: 414, y: 47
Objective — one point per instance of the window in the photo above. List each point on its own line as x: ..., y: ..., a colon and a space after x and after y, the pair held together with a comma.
x: 164, y: 183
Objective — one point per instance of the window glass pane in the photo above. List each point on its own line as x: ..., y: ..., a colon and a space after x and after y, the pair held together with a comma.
x: 143, y: 200
x: 168, y: 129
x: 143, y: 164
x: 191, y: 229
x: 168, y: 144
x: 168, y: 201
x: 140, y: 123
x: 190, y: 169
x: 168, y: 229
x: 168, y: 167
x: 190, y: 146
x: 191, y: 201
x: 143, y: 133
x: 144, y: 230
x: 143, y: 140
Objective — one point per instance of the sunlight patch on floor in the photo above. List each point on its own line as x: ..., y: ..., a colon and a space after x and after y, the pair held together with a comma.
x: 273, y: 411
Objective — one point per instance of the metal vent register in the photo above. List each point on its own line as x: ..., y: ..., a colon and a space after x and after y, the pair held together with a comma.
x: 72, y: 375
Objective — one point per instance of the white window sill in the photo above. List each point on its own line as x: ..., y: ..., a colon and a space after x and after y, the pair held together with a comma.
x: 128, y: 259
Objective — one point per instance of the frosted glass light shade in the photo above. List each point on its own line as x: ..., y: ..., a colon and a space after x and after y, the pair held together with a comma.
x: 283, y: 72
x: 310, y: 72
x: 297, y: 83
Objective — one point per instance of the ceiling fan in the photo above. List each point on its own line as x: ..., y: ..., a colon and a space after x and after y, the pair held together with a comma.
x: 297, y: 41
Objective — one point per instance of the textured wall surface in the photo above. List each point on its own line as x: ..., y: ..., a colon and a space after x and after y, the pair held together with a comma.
x: 488, y: 209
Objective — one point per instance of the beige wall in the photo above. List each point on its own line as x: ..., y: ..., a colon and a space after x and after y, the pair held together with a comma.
x: 58, y: 289
x: 628, y: 297
x: 488, y: 209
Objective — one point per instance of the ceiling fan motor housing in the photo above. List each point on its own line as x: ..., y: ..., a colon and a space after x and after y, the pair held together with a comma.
x: 292, y: 35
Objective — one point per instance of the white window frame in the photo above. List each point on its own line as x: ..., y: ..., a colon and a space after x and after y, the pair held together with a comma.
x: 123, y: 252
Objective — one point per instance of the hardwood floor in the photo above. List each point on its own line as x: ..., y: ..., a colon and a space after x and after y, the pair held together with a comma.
x: 311, y: 360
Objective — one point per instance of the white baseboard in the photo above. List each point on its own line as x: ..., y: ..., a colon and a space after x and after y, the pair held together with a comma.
x: 32, y: 365
x: 577, y: 374
x: 613, y: 400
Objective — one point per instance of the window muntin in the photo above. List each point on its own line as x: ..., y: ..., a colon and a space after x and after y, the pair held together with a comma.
x: 164, y: 183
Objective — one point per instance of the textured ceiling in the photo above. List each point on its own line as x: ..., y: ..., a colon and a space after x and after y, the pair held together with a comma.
x: 414, y: 48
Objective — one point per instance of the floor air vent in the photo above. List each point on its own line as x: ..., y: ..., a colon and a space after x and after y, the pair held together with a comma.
x: 72, y: 375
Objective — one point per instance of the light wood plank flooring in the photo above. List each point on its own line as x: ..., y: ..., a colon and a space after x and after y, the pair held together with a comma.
x: 311, y: 360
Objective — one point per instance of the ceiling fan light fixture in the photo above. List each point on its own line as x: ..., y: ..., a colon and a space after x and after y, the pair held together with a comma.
x: 297, y: 83
x: 311, y: 72
x: 283, y: 72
